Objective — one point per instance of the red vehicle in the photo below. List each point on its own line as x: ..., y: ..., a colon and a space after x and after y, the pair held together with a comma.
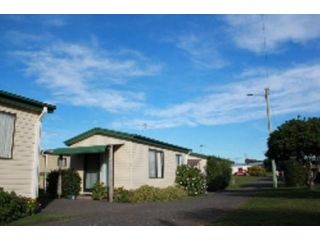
x: 241, y: 172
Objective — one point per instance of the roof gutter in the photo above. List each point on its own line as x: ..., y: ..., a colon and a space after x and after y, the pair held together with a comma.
x: 44, y: 111
x: 37, y: 134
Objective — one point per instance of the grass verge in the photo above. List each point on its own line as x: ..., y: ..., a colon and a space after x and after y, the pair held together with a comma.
x: 38, y: 219
x: 238, y: 182
x: 281, y: 207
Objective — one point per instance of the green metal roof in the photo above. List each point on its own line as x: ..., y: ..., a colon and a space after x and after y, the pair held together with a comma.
x: 77, y: 150
x: 199, y: 155
x: 24, y: 102
x: 125, y: 136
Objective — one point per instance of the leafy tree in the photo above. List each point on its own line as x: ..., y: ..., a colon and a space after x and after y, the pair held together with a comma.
x: 296, y: 140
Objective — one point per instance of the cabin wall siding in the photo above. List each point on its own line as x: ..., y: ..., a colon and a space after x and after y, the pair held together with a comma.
x: 16, y: 174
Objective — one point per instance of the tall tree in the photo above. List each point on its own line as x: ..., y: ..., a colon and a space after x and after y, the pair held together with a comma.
x: 297, y: 140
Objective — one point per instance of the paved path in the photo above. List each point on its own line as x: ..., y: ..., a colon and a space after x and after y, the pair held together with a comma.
x: 189, y: 211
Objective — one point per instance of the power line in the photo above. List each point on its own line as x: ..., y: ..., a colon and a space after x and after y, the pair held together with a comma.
x: 264, y: 46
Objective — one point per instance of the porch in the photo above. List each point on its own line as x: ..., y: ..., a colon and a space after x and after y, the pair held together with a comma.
x: 93, y: 163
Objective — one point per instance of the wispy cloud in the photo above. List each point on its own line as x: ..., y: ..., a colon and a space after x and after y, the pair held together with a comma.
x: 294, y: 90
x: 19, y: 37
x: 87, y: 76
x: 55, y: 21
x: 246, y: 30
x: 200, y: 50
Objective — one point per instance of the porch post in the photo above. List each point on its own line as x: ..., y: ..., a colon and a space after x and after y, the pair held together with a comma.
x: 110, y: 174
x: 59, y: 190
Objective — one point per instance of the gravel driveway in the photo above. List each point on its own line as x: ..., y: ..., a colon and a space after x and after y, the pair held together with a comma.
x: 189, y: 211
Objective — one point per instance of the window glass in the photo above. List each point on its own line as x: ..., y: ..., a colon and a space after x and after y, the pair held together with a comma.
x: 179, y: 159
x: 156, y: 164
x: 6, y: 134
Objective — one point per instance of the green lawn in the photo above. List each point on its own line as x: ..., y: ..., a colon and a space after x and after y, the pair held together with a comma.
x: 39, y: 218
x: 242, y: 181
x: 283, y: 207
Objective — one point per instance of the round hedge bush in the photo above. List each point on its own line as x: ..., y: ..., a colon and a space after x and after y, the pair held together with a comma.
x: 257, y: 171
x: 99, y: 191
x: 191, y: 179
x: 218, y: 173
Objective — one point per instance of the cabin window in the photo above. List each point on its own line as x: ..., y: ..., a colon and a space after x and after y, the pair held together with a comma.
x: 156, y: 164
x: 7, y: 122
x: 179, y: 159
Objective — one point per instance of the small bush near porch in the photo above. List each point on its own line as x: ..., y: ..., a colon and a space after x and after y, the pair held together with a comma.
x: 70, y: 183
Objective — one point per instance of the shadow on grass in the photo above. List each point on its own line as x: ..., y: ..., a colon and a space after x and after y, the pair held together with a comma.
x: 270, y: 217
x: 288, y: 193
x: 249, y: 217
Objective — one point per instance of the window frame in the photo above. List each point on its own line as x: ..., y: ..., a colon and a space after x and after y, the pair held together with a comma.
x: 181, y: 159
x: 13, y: 133
x: 156, y: 151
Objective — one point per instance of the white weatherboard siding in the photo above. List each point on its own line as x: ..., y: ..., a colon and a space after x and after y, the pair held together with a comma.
x: 131, y: 162
x: 140, y: 160
x: 16, y: 174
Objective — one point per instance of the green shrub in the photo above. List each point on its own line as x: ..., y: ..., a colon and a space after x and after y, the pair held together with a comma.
x: 257, y: 171
x: 32, y: 206
x: 13, y: 207
x: 172, y: 193
x: 52, y: 183
x: 99, y: 191
x: 147, y: 193
x: 295, y: 173
x: 121, y: 195
x: 218, y: 173
x: 70, y: 183
x: 191, y: 179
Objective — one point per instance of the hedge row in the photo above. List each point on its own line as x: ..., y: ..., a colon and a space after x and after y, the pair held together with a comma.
x: 144, y: 193
x: 13, y: 207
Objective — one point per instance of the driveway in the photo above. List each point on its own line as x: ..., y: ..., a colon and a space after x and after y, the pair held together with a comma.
x: 193, y: 211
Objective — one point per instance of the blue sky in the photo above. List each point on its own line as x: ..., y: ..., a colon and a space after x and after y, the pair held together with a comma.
x: 177, y: 78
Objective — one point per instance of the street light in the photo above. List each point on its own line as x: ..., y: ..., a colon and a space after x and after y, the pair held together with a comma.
x: 201, y: 147
x: 273, y: 163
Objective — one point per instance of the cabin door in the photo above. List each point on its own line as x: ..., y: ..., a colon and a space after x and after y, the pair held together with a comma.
x: 92, y: 171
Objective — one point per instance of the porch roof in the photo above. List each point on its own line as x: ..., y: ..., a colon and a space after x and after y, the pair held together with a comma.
x: 77, y: 150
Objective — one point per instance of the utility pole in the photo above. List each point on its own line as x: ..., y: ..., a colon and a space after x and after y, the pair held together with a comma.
x: 273, y: 162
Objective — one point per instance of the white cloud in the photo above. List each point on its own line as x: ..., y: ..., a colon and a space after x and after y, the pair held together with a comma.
x: 294, y: 90
x: 19, y: 37
x: 87, y: 76
x: 55, y: 22
x: 201, y: 51
x: 246, y: 30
